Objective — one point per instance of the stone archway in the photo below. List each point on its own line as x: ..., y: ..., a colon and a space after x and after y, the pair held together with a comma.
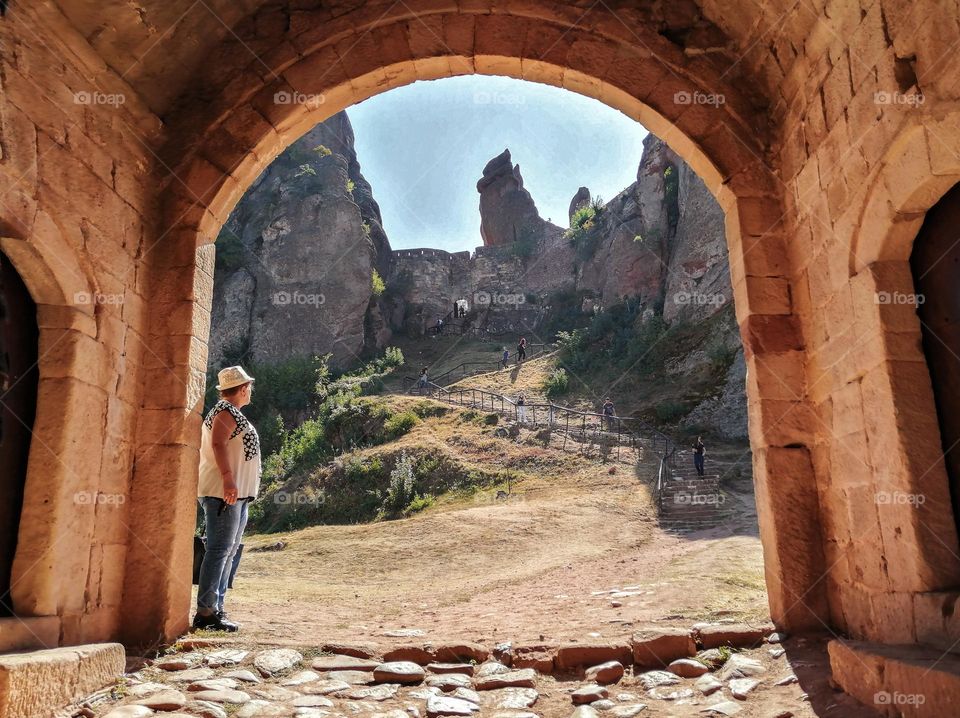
x: 307, y: 70
x: 56, y: 306
x: 934, y: 261
x: 879, y: 463
x: 18, y: 400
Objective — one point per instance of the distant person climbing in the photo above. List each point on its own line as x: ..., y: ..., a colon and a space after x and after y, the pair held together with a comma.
x: 609, y: 414
x: 521, y: 408
x: 698, y: 453
x: 521, y: 350
x: 505, y: 358
x: 422, y: 381
x: 229, y: 481
x: 439, y: 327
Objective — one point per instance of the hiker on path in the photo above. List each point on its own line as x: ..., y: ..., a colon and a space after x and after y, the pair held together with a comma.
x: 609, y: 414
x: 505, y: 359
x: 521, y: 350
x: 439, y: 326
x: 521, y: 409
x: 229, y: 481
x: 698, y: 452
x: 422, y: 381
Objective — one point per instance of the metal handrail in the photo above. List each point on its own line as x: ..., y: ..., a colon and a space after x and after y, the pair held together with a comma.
x: 409, y: 381
x: 553, y: 412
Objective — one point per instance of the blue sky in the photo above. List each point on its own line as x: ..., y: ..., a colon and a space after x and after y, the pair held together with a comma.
x: 423, y: 147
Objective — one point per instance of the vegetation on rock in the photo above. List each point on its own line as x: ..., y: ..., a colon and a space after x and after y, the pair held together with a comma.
x: 377, y: 284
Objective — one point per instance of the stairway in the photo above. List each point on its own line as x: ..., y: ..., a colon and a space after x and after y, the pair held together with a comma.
x: 687, y: 501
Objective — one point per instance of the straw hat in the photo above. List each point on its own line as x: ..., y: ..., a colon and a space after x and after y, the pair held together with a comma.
x: 232, y: 376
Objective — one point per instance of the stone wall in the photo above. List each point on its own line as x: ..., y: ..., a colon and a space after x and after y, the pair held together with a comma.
x: 868, y: 145
x: 678, y: 266
x: 820, y: 153
x: 79, y: 223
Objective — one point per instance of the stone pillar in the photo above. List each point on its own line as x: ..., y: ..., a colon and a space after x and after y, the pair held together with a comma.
x: 163, y: 512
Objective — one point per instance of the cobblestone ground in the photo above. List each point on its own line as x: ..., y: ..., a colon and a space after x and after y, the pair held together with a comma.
x: 217, y: 678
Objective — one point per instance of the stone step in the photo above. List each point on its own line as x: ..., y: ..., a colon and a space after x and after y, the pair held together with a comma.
x: 29, y: 634
x: 40, y: 682
x: 897, y: 680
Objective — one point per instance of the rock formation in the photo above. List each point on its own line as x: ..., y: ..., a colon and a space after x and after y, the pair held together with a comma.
x: 295, y: 260
x: 507, y: 211
x: 661, y: 239
x: 580, y: 199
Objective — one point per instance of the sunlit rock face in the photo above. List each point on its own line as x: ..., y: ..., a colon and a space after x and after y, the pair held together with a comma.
x: 507, y: 210
x: 296, y: 258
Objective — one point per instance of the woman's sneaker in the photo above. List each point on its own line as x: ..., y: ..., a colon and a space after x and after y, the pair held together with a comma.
x: 214, y: 622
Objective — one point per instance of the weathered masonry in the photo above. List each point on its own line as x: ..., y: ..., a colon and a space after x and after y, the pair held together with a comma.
x: 827, y: 131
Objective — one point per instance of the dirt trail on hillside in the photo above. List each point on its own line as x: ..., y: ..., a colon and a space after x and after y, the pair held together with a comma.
x: 528, y: 568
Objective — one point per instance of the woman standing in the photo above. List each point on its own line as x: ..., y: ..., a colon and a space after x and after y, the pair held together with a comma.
x: 229, y: 481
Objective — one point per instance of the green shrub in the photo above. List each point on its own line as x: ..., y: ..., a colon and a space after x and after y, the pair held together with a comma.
x: 399, y: 424
x: 428, y: 466
x: 670, y: 412
x: 671, y: 191
x: 322, y: 150
x: 557, y: 383
x: 581, y: 221
x: 419, y: 503
x: 425, y: 409
x: 584, y: 232
x: 402, y: 480
x: 363, y: 472
x: 304, y: 446
x: 230, y: 252
x: 378, y: 285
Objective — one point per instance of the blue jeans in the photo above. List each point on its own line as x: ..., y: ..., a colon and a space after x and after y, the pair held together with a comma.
x: 698, y: 463
x: 225, y: 525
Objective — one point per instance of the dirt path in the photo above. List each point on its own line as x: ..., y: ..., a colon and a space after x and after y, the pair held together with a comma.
x: 523, y: 569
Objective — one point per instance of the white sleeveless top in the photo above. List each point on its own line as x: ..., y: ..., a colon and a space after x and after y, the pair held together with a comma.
x: 243, y: 453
